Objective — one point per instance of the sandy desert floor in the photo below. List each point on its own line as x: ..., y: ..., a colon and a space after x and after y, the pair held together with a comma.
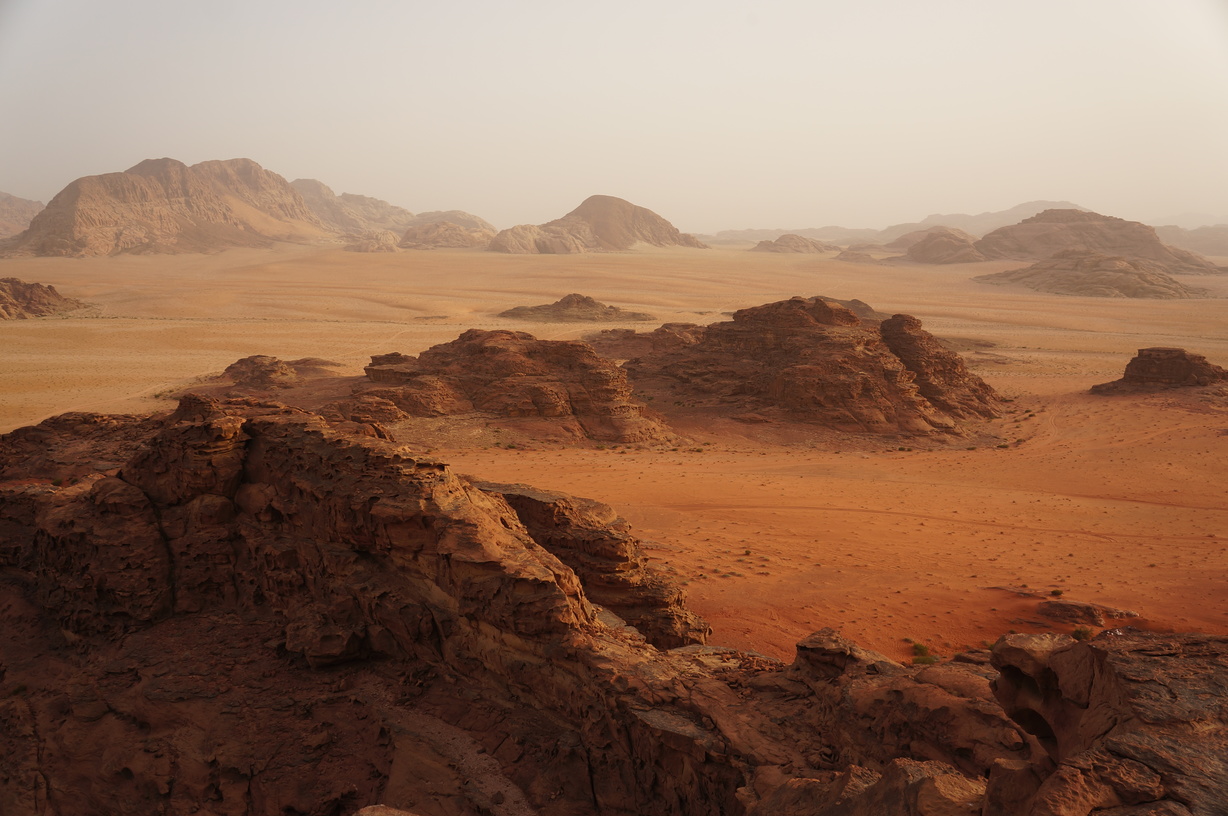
x: 1121, y: 501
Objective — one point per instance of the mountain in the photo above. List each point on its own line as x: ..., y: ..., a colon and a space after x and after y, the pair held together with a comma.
x: 1053, y: 231
x: 165, y: 206
x: 599, y: 224
x: 16, y: 213
x: 349, y: 212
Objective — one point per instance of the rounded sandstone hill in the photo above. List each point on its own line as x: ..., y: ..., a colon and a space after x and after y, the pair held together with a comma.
x: 943, y: 245
x: 445, y: 234
x: 600, y: 224
x: 1093, y: 274
x: 1052, y: 231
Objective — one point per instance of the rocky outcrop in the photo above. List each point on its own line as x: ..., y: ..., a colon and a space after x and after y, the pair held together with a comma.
x: 515, y: 375
x: 445, y: 234
x: 599, y: 224
x: 791, y: 242
x: 813, y: 360
x: 1054, y: 231
x: 20, y: 300
x: 350, y: 213
x: 461, y: 218
x: 1093, y: 274
x: 908, y: 239
x: 261, y: 372
x: 16, y: 213
x: 164, y: 206
x: 237, y: 607
x: 372, y: 241
x: 942, y: 245
x: 855, y: 256
x: 590, y: 538
x: 1132, y: 723
x: 575, y: 308
x: 1160, y: 368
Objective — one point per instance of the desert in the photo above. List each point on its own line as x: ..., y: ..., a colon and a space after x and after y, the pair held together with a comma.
x: 840, y: 493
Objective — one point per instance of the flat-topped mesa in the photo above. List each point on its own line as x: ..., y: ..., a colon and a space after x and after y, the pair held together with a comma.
x: 20, y: 300
x: 576, y: 308
x: 1052, y: 231
x: 813, y: 360
x: 1163, y: 367
x: 515, y: 375
x: 600, y: 224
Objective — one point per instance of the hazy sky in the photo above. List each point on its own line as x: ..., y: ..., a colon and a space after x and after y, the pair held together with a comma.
x: 777, y: 113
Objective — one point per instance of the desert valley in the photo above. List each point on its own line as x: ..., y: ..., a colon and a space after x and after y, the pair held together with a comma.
x: 278, y: 442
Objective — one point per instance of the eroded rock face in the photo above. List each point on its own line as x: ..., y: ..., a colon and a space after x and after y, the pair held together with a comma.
x: 261, y: 615
x: 1053, y: 231
x: 20, y: 300
x: 445, y: 234
x: 599, y: 224
x: 790, y: 242
x: 1161, y: 367
x: 816, y: 361
x: 1094, y: 274
x: 1130, y: 720
x: 576, y: 308
x: 513, y: 374
x: 350, y: 213
x: 593, y: 540
x: 372, y: 241
x: 162, y: 206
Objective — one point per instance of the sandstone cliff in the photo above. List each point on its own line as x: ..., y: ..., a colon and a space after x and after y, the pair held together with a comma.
x: 791, y: 242
x: 16, y: 213
x: 514, y: 375
x: 813, y: 360
x: 1094, y: 274
x: 20, y: 300
x: 1053, y: 231
x: 235, y: 609
x: 599, y: 224
x: 1159, y: 368
x: 575, y: 308
x: 349, y: 212
x: 162, y: 205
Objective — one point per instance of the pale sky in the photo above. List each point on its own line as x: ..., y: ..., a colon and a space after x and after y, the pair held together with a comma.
x: 715, y: 114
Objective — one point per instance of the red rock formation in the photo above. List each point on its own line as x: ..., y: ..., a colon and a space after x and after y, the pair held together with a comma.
x: 1092, y: 274
x: 941, y: 245
x: 351, y: 213
x: 162, y: 205
x: 794, y: 243
x: 261, y: 372
x: 16, y: 213
x: 1053, y: 231
x: 575, y: 308
x: 599, y: 224
x: 816, y: 361
x: 445, y: 234
x: 1159, y: 368
x: 256, y: 614
x: 20, y: 300
x: 513, y: 374
x: 1132, y: 723
x: 593, y: 540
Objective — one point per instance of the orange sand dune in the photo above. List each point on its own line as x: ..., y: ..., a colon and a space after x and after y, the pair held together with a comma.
x: 1120, y: 501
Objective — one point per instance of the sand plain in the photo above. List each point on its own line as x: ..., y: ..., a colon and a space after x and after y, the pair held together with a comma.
x: 1120, y: 501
